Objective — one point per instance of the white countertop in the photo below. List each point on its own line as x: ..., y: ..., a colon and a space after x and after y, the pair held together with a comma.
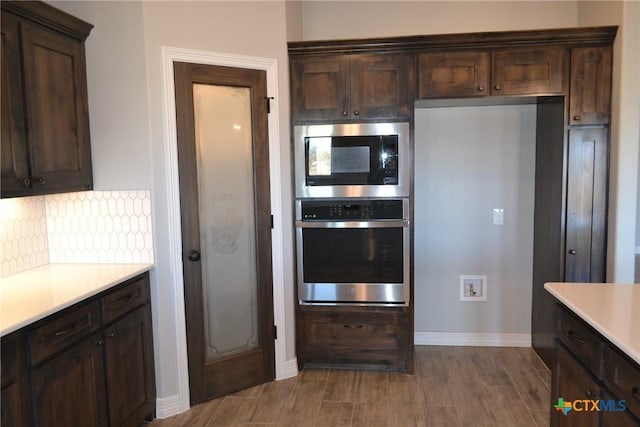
x: 36, y: 293
x: 611, y: 309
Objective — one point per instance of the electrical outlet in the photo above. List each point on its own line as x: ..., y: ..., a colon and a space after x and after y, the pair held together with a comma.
x: 473, y: 288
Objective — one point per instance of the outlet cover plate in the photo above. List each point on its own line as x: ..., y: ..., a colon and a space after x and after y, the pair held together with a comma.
x: 473, y: 287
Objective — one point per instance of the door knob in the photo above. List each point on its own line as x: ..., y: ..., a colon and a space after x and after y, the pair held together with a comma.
x: 194, y: 256
x: 572, y: 252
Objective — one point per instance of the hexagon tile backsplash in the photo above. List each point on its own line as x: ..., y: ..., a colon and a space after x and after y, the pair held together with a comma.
x: 85, y: 227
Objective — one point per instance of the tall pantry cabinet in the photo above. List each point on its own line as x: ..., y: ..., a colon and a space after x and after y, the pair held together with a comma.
x: 566, y: 72
x: 572, y: 158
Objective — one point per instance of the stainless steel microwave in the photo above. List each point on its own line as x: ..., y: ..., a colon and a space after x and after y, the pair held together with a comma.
x: 352, y: 160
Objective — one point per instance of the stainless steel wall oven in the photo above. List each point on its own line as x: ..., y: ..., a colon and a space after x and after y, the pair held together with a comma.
x: 353, y: 251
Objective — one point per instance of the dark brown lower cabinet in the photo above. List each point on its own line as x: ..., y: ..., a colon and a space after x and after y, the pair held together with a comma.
x: 572, y: 382
x: 598, y: 380
x: 354, y: 335
x: 130, y: 378
x: 88, y: 365
x: 69, y: 390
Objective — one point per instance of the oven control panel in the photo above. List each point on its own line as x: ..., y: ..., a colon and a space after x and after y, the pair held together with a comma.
x: 351, y: 210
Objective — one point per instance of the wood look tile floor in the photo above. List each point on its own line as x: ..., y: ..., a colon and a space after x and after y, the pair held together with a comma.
x: 452, y: 386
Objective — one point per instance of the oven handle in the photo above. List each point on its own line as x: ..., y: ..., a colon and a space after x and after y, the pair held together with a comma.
x: 353, y: 224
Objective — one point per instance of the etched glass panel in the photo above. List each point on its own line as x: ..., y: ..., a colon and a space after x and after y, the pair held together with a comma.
x: 227, y: 226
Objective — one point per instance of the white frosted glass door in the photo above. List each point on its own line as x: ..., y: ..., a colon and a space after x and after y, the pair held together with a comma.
x: 227, y: 219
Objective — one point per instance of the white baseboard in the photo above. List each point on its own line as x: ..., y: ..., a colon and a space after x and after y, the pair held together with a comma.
x: 472, y: 339
x: 290, y: 370
x: 168, y: 406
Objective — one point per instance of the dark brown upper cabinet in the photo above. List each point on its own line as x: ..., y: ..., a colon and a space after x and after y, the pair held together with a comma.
x: 45, y: 118
x: 590, y: 93
x: 352, y: 87
x: 453, y: 74
x: 528, y: 71
x: 523, y: 71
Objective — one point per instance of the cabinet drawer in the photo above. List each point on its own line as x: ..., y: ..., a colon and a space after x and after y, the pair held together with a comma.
x: 355, y: 337
x: 622, y: 377
x: 63, y: 330
x: 125, y: 299
x: 583, y: 342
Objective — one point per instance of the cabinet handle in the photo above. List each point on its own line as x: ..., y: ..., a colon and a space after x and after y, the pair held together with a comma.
x: 480, y: 88
x: 26, y: 182
x: 345, y: 113
x: 591, y: 394
x: 66, y: 331
x: 357, y: 113
x: 112, y: 335
x: 576, y: 339
x: 125, y: 298
x: 572, y: 252
x: 353, y: 326
x: 576, y: 118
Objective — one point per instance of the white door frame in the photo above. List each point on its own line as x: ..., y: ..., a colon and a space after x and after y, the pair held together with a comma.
x: 170, y: 144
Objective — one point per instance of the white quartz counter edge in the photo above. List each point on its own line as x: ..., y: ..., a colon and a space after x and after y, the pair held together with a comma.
x: 611, y: 309
x: 32, y: 295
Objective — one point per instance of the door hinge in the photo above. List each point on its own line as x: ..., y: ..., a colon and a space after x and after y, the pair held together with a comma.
x: 272, y: 222
x: 269, y: 98
x: 275, y: 332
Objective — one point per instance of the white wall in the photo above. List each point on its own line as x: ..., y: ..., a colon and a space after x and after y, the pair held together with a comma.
x: 470, y: 160
x: 118, y: 104
x: 361, y: 19
x: 624, y: 185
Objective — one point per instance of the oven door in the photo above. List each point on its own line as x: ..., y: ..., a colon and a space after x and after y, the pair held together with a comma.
x: 363, y: 262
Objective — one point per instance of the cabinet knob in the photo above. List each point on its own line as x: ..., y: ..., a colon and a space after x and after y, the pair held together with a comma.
x: 591, y: 394
x: 26, y: 182
x: 345, y: 113
x: 194, y: 256
x: 498, y: 87
x: 480, y: 88
x: 356, y: 113
x: 112, y: 335
x: 576, y: 118
x: 39, y: 180
x: 572, y: 252
x: 100, y: 342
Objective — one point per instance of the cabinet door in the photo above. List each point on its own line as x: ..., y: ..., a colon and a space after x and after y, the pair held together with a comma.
x: 590, y: 95
x: 320, y: 88
x: 455, y: 74
x: 56, y: 105
x: 69, y: 390
x: 380, y: 86
x: 130, y: 369
x: 571, y: 382
x: 528, y: 71
x: 586, y: 205
x: 12, y: 402
x: 14, y: 177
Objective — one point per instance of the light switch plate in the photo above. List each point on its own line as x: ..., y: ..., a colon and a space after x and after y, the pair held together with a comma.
x: 498, y: 216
